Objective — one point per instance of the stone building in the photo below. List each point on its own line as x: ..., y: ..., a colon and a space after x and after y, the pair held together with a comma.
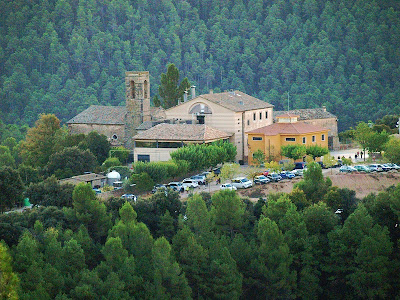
x: 233, y: 112
x: 118, y: 123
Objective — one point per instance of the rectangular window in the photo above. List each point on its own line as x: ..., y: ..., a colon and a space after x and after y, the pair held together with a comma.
x: 143, y: 157
x: 260, y: 115
x: 304, y: 140
x: 266, y: 114
x: 313, y: 138
x: 257, y: 138
x: 323, y: 137
x: 254, y: 116
x: 292, y: 139
x: 248, y: 122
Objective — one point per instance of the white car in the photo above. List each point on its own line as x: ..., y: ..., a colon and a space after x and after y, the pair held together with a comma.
x: 191, y: 183
x: 129, y: 197
x: 242, y: 183
x: 227, y: 186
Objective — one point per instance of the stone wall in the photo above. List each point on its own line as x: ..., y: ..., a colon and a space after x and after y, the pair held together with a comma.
x: 110, y: 131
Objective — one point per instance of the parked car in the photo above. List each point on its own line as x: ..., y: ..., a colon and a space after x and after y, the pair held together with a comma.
x: 347, y: 169
x: 394, y: 166
x: 241, y: 183
x: 97, y: 191
x: 338, y: 164
x: 227, y: 186
x: 266, y: 172
x: 287, y: 175
x: 321, y: 164
x: 129, y: 196
x: 386, y: 167
x: 261, y: 179
x: 298, y: 172
x: 362, y: 168
x: 375, y: 168
x: 176, y: 186
x: 190, y: 183
x: 300, y: 165
x: 201, y: 179
x: 158, y: 187
x: 275, y: 177
x: 217, y: 171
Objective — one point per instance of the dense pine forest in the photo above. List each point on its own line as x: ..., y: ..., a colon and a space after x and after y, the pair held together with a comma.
x: 220, y: 246
x: 60, y: 56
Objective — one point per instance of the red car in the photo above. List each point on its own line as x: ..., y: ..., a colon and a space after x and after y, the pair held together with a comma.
x: 265, y: 173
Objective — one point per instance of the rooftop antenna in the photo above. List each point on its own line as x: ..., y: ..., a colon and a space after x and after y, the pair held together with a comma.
x: 288, y: 102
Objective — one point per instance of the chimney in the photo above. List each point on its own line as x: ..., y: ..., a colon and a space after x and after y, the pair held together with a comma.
x: 193, y: 90
x: 211, y: 91
x: 324, y: 108
x: 185, y: 96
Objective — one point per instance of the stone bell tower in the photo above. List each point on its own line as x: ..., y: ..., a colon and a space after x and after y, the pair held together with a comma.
x: 137, y: 86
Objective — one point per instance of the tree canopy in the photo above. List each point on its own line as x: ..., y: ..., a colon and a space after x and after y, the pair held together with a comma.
x: 62, y: 56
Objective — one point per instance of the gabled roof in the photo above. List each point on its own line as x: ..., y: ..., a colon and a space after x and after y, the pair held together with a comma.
x: 307, y: 113
x: 182, y: 132
x: 234, y: 100
x: 287, y: 129
x: 287, y: 115
x: 103, y: 115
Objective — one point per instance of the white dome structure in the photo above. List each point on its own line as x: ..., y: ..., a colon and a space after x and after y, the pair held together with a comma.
x: 112, y: 177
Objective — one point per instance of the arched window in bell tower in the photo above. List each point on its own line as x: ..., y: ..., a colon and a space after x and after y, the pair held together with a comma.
x: 145, y: 87
x: 132, y: 84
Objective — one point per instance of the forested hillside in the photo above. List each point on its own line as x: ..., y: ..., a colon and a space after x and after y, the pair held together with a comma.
x: 60, y: 56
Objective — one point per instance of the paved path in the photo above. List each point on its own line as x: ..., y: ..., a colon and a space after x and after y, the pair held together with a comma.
x: 350, y: 153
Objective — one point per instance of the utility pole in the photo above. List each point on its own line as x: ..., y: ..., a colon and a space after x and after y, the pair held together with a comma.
x: 288, y: 102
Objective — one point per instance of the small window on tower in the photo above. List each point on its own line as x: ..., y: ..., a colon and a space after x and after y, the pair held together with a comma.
x: 132, y: 84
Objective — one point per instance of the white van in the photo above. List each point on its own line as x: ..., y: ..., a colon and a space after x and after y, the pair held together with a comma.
x: 241, y: 183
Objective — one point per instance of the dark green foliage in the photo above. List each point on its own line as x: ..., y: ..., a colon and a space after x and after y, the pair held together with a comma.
x: 63, y: 56
x: 71, y: 161
x: 98, y: 144
x: 392, y: 150
x: 11, y: 188
x: 316, y: 151
x: 9, y: 282
x: 142, y: 181
x: 50, y: 193
x: 6, y: 159
x: 314, y: 185
x: 293, y: 151
x: 227, y: 212
x: 90, y: 211
x: 170, y: 90
x: 29, y: 174
x: 390, y: 121
x: 109, y: 163
x: 121, y: 153
x: 150, y: 211
x: 204, y: 156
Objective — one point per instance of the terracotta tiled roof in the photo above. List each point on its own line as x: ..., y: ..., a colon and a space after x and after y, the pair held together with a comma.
x: 235, y: 100
x: 97, y: 114
x: 307, y: 114
x: 287, y: 128
x: 182, y: 132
